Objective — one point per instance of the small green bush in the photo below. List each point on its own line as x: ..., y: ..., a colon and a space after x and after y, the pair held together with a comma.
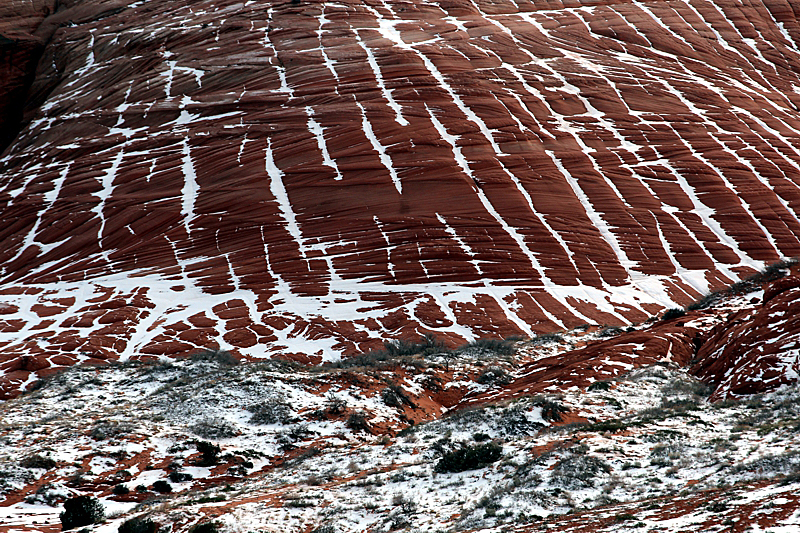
x: 81, y: 511
x: 210, y: 453
x: 494, y: 375
x: 357, y: 421
x: 670, y: 314
x: 271, y: 411
x: 121, y: 490
x: 138, y: 525
x: 205, y: 527
x: 551, y: 409
x: 578, y: 471
x: 179, y: 477
x: 395, y: 396
x: 162, y: 486
x: 37, y: 461
x: 469, y: 457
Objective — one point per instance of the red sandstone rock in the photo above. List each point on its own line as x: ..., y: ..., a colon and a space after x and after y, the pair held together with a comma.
x: 756, y: 349
x: 310, y: 180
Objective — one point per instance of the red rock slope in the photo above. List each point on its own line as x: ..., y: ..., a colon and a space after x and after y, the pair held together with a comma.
x: 311, y: 177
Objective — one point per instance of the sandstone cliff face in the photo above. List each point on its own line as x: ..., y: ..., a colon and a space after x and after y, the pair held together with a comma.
x: 310, y: 178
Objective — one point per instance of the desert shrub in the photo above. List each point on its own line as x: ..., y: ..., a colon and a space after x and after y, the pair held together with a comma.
x: 611, y: 331
x: 494, y: 375
x: 394, y: 351
x: 47, y: 494
x: 428, y: 344
x: 578, y: 471
x: 551, y: 409
x: 612, y: 425
x: 271, y: 411
x: 357, y: 421
x: 179, y: 477
x: 138, y: 525
x: 215, y: 428
x: 162, y: 486
x: 547, y: 338
x: 221, y: 357
x: 665, y: 435
x: 210, y: 453
x: 326, y: 528
x: 599, y: 385
x: 771, y: 465
x: 121, y: 490
x: 334, y: 404
x: 687, y: 387
x: 81, y: 511
x: 37, y: 461
x: 469, y: 457
x: 514, y: 422
x: 675, y: 312
x: 394, y: 396
x: 488, y: 347
x: 750, y: 284
x: 287, y: 439
x: 205, y: 527
x: 671, y: 451
x: 105, y: 430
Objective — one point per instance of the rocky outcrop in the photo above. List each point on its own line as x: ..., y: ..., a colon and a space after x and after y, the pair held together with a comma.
x: 757, y: 349
x: 309, y: 179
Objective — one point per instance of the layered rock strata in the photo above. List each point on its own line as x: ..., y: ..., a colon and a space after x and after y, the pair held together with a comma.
x: 311, y: 178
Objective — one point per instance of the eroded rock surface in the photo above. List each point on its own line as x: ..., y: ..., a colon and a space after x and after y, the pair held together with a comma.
x: 311, y: 178
x: 756, y: 349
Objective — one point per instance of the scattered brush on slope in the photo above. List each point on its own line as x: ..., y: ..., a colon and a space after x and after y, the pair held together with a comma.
x: 753, y: 283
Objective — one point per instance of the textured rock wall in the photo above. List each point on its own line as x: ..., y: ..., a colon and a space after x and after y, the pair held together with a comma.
x: 310, y: 178
x: 758, y: 349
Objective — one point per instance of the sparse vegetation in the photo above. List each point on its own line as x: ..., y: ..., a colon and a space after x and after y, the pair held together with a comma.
x: 578, y: 471
x: 494, y: 375
x: 395, y: 396
x: 205, y: 527
x: 138, y: 524
x: 357, y: 421
x: 210, y: 453
x: 38, y: 461
x: 81, y: 511
x: 221, y: 357
x: 599, y: 385
x: 215, y: 428
x: 611, y: 331
x: 752, y: 283
x: 162, y: 486
x: 673, y: 313
x: 551, y: 408
x: 469, y: 457
x: 271, y: 411
x: 488, y: 347
x: 547, y: 338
